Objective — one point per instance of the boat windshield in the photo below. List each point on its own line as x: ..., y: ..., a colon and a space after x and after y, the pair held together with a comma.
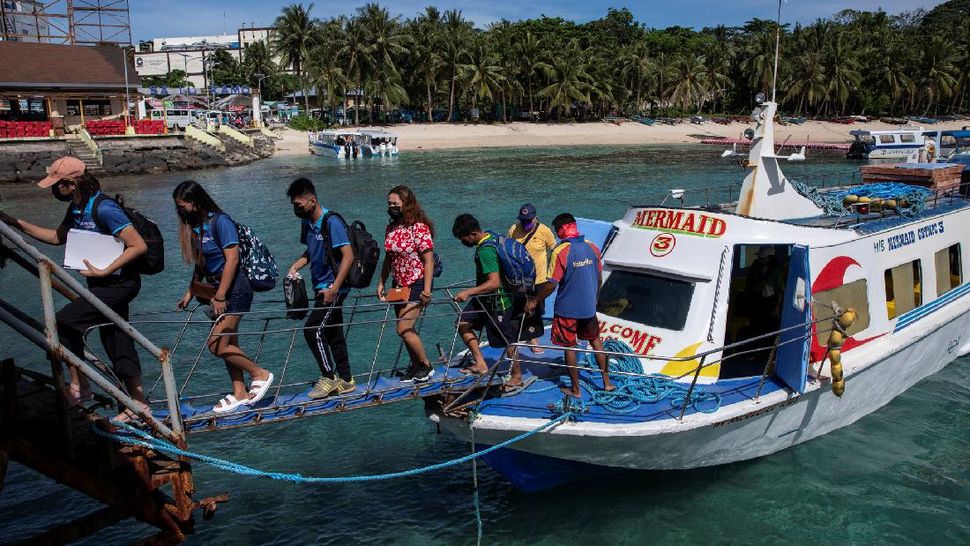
x: 646, y: 298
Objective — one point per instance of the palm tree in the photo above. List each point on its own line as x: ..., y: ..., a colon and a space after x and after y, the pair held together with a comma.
x: 294, y: 38
x: 355, y: 53
x: 530, y: 54
x: 637, y: 69
x: 385, y: 43
x: 425, y: 44
x: 841, y: 64
x: 457, y: 35
x: 569, y: 79
x: 258, y: 60
x: 691, y: 81
x: 937, y: 60
x: 324, y: 68
x: 482, y: 73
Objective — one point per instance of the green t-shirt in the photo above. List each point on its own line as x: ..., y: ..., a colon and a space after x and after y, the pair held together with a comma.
x: 486, y: 261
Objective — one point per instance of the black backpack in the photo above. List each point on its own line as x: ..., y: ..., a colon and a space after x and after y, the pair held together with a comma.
x: 153, y: 260
x: 365, y: 248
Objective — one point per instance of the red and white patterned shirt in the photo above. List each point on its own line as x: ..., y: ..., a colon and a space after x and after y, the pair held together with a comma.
x: 405, y: 244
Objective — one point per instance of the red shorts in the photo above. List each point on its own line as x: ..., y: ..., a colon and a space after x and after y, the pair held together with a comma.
x: 566, y: 330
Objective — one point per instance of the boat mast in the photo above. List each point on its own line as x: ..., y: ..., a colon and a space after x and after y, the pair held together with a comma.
x: 774, y: 78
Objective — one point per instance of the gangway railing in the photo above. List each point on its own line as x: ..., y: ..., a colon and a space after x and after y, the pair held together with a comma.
x: 52, y: 277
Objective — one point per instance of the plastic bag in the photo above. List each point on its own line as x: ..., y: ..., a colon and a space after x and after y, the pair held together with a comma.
x: 294, y: 292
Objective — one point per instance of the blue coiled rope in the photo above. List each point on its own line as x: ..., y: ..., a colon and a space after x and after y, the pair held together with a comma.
x: 141, y: 438
x: 633, y: 390
x: 910, y: 199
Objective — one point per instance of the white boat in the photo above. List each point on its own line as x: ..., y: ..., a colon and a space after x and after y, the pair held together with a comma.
x: 336, y: 144
x: 378, y: 143
x: 676, y: 310
x: 899, y: 144
x: 894, y: 144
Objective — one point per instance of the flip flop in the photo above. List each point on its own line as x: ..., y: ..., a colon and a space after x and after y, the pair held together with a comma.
x: 471, y: 372
x: 228, y: 403
x: 259, y: 388
x: 536, y: 350
x: 512, y: 390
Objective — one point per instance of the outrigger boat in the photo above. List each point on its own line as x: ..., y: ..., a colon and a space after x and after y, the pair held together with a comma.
x: 723, y: 353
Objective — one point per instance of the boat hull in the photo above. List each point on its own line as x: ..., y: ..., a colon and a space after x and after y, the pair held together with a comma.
x: 740, y: 432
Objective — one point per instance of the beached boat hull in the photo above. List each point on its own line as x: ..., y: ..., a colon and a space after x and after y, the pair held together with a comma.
x: 735, y: 433
x: 324, y: 150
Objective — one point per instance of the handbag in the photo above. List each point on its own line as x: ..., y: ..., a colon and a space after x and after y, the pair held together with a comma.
x: 202, y: 291
x: 398, y: 295
x: 294, y: 293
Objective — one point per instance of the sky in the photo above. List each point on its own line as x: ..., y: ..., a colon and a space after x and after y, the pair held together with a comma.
x: 172, y: 18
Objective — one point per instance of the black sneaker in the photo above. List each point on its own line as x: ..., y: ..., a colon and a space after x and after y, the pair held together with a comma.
x: 418, y: 374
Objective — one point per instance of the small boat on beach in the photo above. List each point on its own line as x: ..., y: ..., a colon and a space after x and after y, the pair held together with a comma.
x: 378, y: 143
x: 336, y: 144
x: 740, y: 329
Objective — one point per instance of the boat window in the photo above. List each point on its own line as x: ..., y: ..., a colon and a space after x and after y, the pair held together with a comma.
x: 854, y: 294
x: 949, y: 273
x: 904, y: 288
x: 887, y: 139
x: 646, y: 299
x: 908, y: 139
x: 948, y: 141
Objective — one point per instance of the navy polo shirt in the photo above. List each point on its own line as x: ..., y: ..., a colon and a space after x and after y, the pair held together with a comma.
x: 322, y: 273
x: 212, y: 247
x: 110, y: 213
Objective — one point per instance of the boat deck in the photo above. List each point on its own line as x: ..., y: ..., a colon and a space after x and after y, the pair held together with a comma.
x: 540, y: 398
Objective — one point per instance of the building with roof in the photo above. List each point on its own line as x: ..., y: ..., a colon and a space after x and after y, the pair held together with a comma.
x: 76, y: 82
x: 190, y: 53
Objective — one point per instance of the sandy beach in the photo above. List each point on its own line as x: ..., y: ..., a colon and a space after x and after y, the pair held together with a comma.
x: 437, y: 136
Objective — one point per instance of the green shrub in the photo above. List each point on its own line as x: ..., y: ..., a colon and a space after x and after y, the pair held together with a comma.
x: 306, y: 123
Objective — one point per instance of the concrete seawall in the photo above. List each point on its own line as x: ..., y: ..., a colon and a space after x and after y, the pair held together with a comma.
x: 26, y: 160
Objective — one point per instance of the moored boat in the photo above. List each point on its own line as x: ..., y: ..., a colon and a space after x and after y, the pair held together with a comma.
x: 742, y: 329
x: 336, y: 144
x: 378, y: 143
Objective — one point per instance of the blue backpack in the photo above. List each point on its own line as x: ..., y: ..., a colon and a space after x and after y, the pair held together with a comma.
x: 516, y: 265
x: 254, y: 258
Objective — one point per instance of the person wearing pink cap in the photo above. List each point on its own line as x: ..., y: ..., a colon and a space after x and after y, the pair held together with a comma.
x: 116, y: 285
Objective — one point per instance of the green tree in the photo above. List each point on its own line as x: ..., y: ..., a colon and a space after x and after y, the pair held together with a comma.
x: 569, y: 80
x: 457, y: 36
x: 294, y: 38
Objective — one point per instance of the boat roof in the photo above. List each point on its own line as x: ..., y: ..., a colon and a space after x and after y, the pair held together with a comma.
x: 866, y: 132
x: 377, y: 133
x: 865, y: 224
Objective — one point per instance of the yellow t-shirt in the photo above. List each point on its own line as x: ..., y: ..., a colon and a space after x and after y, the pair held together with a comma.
x: 539, y: 247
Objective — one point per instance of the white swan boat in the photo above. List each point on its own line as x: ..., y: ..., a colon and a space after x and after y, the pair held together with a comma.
x: 684, y: 288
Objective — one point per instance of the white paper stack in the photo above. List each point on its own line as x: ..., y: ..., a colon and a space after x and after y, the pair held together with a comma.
x: 101, y: 250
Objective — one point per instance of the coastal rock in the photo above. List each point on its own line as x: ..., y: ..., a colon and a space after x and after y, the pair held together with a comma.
x: 26, y: 161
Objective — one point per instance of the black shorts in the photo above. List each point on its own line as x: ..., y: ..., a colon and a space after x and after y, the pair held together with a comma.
x: 504, y: 327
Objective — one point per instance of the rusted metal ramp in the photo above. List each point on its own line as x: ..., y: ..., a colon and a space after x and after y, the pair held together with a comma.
x: 38, y: 431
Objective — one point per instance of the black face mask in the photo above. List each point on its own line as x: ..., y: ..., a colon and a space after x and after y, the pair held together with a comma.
x: 56, y: 192
x: 303, y: 213
x: 395, y: 212
x: 466, y: 243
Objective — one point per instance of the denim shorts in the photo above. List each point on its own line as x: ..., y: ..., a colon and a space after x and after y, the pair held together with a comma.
x: 240, y: 296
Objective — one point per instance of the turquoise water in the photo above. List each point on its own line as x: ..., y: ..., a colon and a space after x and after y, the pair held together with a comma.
x: 901, y: 474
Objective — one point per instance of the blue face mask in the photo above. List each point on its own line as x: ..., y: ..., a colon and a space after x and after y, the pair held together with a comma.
x: 528, y: 224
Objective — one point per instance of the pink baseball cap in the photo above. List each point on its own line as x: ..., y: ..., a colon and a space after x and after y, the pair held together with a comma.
x: 65, y: 167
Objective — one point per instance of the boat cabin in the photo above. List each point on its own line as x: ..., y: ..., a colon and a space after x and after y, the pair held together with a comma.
x: 682, y: 281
